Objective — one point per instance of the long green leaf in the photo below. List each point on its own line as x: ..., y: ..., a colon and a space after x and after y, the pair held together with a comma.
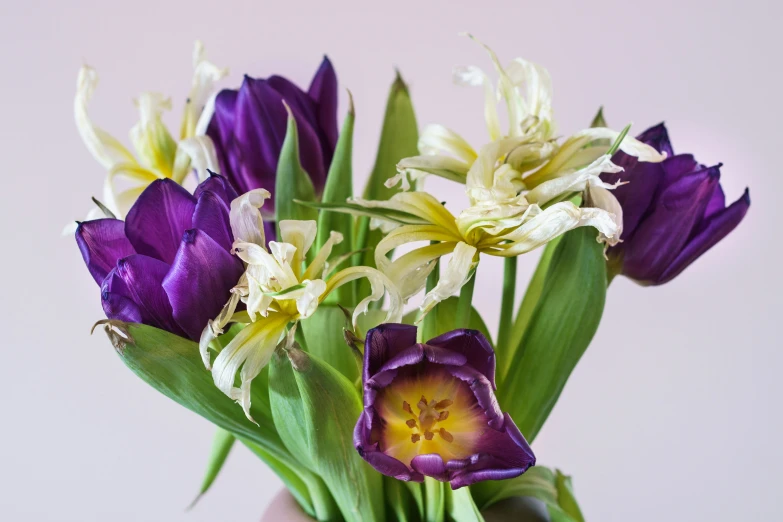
x: 566, y: 498
x: 323, y: 333
x: 222, y: 442
x: 399, y: 139
x: 445, y: 314
x: 460, y: 506
x: 400, y: 504
x: 505, y: 354
x: 317, y: 407
x: 292, y: 182
x: 434, y: 500
x: 338, y: 188
x: 562, y: 325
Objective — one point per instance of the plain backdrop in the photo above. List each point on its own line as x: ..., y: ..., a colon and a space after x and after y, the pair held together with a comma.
x: 672, y: 414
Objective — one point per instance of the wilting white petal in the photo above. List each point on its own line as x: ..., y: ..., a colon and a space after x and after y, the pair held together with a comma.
x: 257, y: 300
x: 307, y: 302
x: 452, y: 277
x: 215, y: 327
x: 246, y: 222
x: 301, y: 234
x: 437, y: 139
x: 480, y: 180
x: 409, y: 271
x: 545, y: 225
x: 417, y: 167
x: 316, y: 268
x: 536, y: 85
x: 574, y: 182
x: 598, y: 197
x: 629, y: 145
x: 197, y: 153
x: 205, y: 75
x: 378, y: 284
x: 251, y: 350
x: 150, y: 137
x: 475, y: 77
x: 104, y: 148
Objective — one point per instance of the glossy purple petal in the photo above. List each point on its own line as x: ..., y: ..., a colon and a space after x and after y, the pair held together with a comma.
x: 430, y: 465
x: 142, y: 279
x: 483, y: 391
x: 158, y: 219
x: 658, y: 138
x: 218, y: 185
x: 473, y: 346
x: 667, y: 229
x: 713, y: 230
x: 642, y: 181
x: 383, y: 463
x: 323, y: 90
x: 200, y: 280
x: 212, y: 217
x: 116, y: 301
x: 384, y: 342
x: 102, y: 242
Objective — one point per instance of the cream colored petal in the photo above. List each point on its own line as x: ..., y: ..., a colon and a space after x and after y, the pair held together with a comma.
x: 574, y: 182
x: 481, y: 176
x: 629, y: 145
x: 419, y: 204
x: 104, y: 148
x: 416, y: 167
x: 409, y: 234
x: 316, y: 268
x: 195, y: 153
x: 475, y: 77
x: 245, y: 216
x: 409, y: 271
x: 536, y: 85
x: 453, y: 276
x: 307, y: 303
x: 301, y: 234
x: 379, y: 284
x: 437, y: 139
x: 250, y: 350
x: 598, y: 197
x: 150, y: 137
x: 201, y: 97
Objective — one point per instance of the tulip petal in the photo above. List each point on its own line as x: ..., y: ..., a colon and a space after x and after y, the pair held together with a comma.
x: 323, y: 90
x: 658, y: 138
x: 142, y: 278
x: 473, y: 346
x: 431, y: 465
x: 157, y: 221
x: 102, y: 243
x: 115, y: 301
x: 220, y: 186
x: 200, y: 280
x: 384, y: 342
x: 708, y: 235
x: 211, y: 216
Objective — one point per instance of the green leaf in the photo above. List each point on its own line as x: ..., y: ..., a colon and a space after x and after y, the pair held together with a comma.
x: 323, y: 333
x: 417, y: 492
x: 434, y: 500
x: 565, y: 496
x: 598, y: 120
x: 539, y: 483
x: 399, y: 139
x: 561, y: 327
x: 616, y: 145
x: 338, y: 188
x: 396, y: 216
x: 506, y: 354
x: 400, y: 504
x: 461, y: 507
x: 445, y: 314
x: 315, y: 409
x: 292, y: 182
x: 172, y: 365
x: 222, y: 443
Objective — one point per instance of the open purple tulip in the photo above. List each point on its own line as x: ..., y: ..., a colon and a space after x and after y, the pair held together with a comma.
x: 249, y: 126
x: 169, y: 264
x: 430, y: 409
x: 673, y: 212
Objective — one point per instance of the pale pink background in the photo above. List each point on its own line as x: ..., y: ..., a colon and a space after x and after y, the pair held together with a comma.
x: 673, y: 414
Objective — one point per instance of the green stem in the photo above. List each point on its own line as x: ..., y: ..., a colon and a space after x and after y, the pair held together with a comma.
x: 507, y: 301
x: 465, y: 305
x: 430, y: 322
x: 434, y: 500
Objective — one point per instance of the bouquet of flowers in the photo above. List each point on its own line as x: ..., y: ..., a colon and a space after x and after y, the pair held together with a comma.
x: 243, y: 277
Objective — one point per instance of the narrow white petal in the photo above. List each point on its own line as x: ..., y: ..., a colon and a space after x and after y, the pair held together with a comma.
x: 452, y: 277
x: 379, y: 284
x: 474, y: 77
x: 437, y: 139
x: 205, y: 75
x: 629, y: 145
x: 301, y: 234
x: 574, y: 182
x: 197, y: 153
x: 316, y: 268
x: 598, y: 197
x: 245, y: 216
x: 307, y: 303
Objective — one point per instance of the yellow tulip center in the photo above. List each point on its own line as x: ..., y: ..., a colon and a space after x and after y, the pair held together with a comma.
x: 429, y: 412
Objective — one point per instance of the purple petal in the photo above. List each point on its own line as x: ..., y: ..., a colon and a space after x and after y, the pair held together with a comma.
x: 430, y: 465
x: 200, y: 280
x: 158, y: 219
x: 384, y: 342
x: 102, y: 243
x: 141, y: 279
x: 368, y: 450
x: 473, y: 346
x: 664, y: 233
x: 221, y: 131
x: 211, y: 216
x: 717, y: 202
x: 678, y: 167
x: 657, y: 137
x: 482, y: 390
x: 115, y: 301
x: 637, y: 194
x: 220, y: 186
x: 323, y: 90
x: 710, y: 232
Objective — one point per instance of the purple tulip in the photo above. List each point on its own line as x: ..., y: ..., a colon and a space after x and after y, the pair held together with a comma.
x: 249, y: 126
x: 430, y: 409
x: 169, y: 263
x: 673, y: 212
